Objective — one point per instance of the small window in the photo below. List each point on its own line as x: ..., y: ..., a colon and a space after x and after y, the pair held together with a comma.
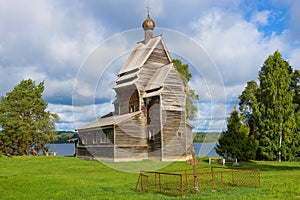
x: 179, y: 134
x: 95, y: 138
x: 151, y: 134
x: 131, y: 108
x: 104, y: 137
x: 83, y: 140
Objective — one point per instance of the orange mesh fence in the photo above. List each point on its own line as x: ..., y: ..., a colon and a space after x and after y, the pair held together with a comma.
x: 180, y: 183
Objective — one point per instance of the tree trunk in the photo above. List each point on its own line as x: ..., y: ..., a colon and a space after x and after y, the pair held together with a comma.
x: 280, y: 142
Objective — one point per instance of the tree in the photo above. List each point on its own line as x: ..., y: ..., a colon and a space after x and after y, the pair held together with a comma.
x: 191, y: 108
x: 274, y: 111
x: 192, y: 97
x: 26, y: 126
x: 236, y: 142
x: 246, y: 104
x: 295, y: 86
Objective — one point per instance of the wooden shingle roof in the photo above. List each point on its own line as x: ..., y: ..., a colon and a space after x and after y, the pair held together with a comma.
x: 141, y: 53
x: 107, y: 121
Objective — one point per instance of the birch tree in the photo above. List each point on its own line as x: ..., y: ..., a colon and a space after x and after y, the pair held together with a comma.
x: 276, y: 127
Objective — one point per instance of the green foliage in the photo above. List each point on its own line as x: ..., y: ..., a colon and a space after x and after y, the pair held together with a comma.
x: 247, y: 98
x: 192, y: 97
x: 236, y: 142
x: 191, y: 108
x: 246, y: 105
x: 295, y: 86
x: 274, y: 111
x: 26, y: 126
x: 183, y: 70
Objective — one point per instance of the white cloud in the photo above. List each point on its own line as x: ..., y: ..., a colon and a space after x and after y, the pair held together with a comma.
x: 72, y: 117
x: 239, y: 49
x: 295, y: 59
x: 13, y: 75
x: 52, y: 38
x: 261, y: 18
x: 237, y: 46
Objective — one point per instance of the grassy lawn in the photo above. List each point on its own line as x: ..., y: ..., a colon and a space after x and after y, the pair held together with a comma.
x: 72, y: 178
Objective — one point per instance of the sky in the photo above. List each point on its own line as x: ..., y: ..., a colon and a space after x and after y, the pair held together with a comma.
x: 78, y: 47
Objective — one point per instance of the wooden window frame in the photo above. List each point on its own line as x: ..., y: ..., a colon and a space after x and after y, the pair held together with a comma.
x: 179, y: 134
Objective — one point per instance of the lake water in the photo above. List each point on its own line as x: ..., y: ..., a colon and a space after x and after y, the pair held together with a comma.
x: 68, y: 149
x: 205, y: 149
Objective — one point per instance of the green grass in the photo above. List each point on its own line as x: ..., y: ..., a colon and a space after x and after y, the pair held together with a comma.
x: 71, y: 178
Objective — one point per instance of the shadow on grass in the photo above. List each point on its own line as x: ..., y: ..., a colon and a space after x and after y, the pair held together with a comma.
x: 263, y: 165
x: 271, y: 165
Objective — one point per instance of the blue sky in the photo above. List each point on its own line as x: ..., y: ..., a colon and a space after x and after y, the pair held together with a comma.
x: 77, y: 47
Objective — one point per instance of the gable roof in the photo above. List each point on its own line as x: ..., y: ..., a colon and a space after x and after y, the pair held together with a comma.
x: 107, y: 121
x: 141, y: 53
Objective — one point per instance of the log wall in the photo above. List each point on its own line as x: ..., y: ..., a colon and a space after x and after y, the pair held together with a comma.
x: 131, y: 139
x: 174, y: 135
x: 96, y: 143
x: 173, y: 95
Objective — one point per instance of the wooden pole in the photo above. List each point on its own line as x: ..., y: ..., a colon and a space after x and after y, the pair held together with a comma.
x: 195, y: 171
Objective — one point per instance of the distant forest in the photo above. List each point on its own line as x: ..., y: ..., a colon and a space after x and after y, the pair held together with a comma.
x: 205, y: 137
x: 65, y: 136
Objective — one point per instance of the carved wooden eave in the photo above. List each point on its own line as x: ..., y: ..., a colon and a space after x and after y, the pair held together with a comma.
x: 189, y: 124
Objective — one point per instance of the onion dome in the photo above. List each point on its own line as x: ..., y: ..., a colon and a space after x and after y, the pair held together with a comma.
x: 148, y: 23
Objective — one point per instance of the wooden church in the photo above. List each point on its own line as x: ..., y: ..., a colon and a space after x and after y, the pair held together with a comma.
x: 149, y: 118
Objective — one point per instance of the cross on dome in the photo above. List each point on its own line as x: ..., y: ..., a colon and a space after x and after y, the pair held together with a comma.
x: 148, y: 10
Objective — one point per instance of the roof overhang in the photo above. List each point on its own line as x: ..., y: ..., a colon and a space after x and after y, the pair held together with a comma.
x: 107, y: 121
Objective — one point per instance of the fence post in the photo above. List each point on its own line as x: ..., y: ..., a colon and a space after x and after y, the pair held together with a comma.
x: 232, y: 177
x: 195, y: 172
x: 258, y: 171
x: 221, y: 174
x: 137, y: 183
x: 142, y: 187
x: 159, y: 182
x: 155, y: 181
x: 212, y: 172
x: 181, y: 189
x: 147, y: 182
x: 186, y: 179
